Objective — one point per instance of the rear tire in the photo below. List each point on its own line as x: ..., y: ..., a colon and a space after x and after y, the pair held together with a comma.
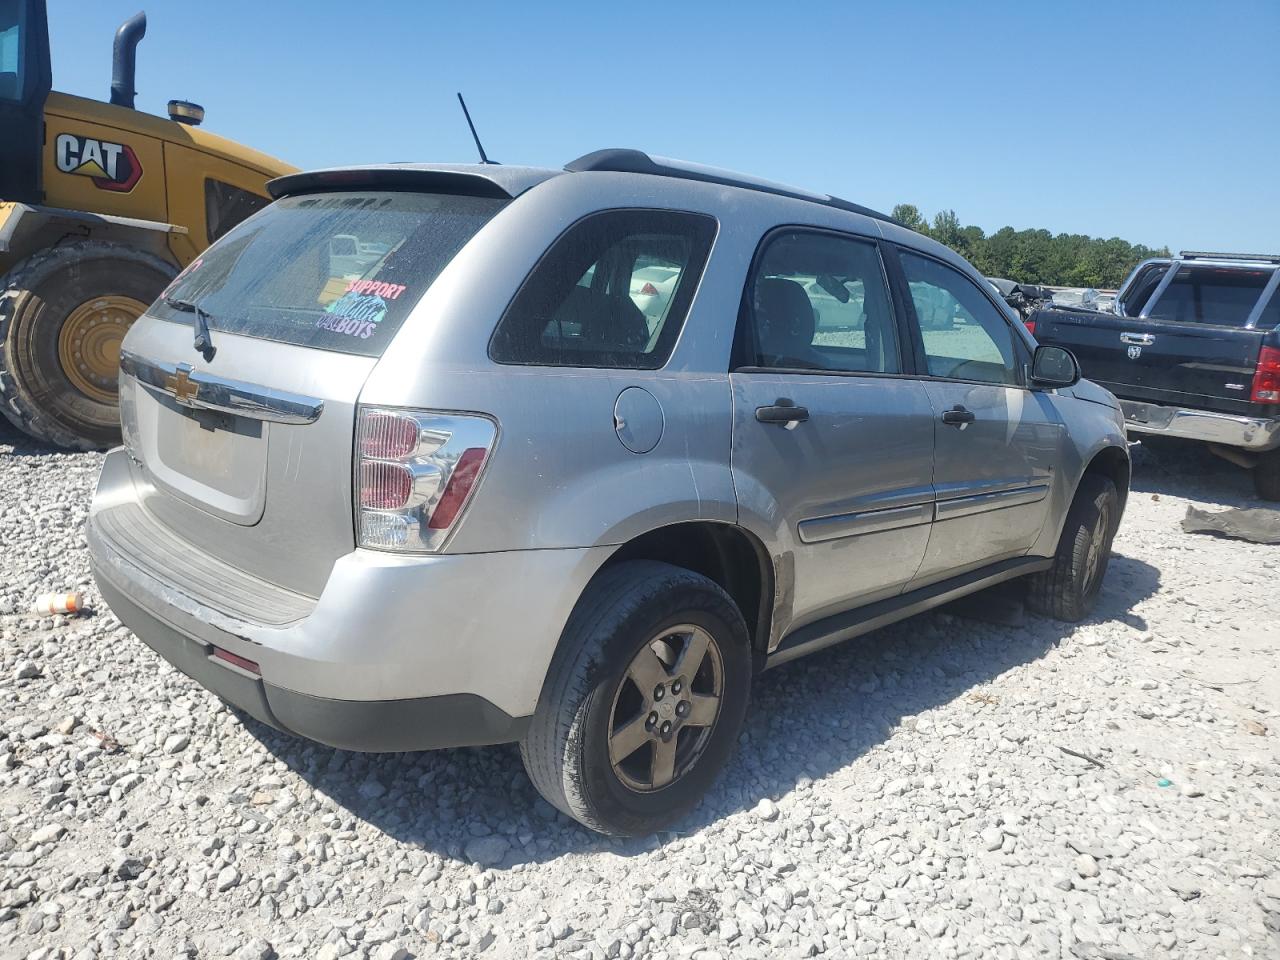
x: 577, y: 751
x: 1266, y: 475
x: 63, y: 313
x: 1069, y: 589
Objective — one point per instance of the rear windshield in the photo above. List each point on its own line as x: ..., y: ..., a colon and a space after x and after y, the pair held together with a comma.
x: 335, y: 271
x: 1219, y: 295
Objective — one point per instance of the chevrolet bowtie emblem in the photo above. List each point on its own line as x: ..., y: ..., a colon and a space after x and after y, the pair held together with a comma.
x: 180, y: 384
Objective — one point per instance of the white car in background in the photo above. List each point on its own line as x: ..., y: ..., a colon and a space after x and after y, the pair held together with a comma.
x: 834, y: 312
x: 651, y: 289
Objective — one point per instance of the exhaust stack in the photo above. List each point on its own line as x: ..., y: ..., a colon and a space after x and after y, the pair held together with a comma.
x: 124, y: 59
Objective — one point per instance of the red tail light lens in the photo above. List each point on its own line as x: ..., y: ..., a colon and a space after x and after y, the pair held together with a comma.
x: 415, y: 471
x: 1266, y: 377
x: 384, y: 486
x: 458, y: 489
x: 387, y: 437
x: 1031, y: 326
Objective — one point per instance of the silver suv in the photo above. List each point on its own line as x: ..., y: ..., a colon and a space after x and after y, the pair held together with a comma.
x: 429, y: 456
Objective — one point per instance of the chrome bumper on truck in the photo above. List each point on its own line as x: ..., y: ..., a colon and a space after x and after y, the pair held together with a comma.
x: 1249, y: 433
x: 394, y: 654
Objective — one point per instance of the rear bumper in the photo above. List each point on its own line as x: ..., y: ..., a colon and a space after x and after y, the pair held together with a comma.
x: 397, y: 653
x: 1249, y: 433
x: 421, y: 723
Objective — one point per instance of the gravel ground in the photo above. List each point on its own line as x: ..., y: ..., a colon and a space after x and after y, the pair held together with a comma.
x: 948, y: 787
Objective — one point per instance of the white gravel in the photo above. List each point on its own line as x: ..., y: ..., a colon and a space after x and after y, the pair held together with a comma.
x: 923, y: 793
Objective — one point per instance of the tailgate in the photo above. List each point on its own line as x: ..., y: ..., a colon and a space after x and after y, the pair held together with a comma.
x: 1189, y: 364
x: 267, y: 490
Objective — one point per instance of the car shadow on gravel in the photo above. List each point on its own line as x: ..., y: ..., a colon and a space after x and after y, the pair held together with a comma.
x: 1184, y: 468
x: 809, y: 720
x: 15, y: 443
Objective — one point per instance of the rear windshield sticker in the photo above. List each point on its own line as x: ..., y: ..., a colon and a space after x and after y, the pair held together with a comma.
x: 355, y: 314
x: 388, y: 291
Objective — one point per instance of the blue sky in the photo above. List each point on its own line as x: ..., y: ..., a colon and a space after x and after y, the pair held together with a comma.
x: 1155, y: 122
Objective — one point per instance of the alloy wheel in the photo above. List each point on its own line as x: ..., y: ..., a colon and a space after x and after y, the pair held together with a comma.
x: 665, y: 708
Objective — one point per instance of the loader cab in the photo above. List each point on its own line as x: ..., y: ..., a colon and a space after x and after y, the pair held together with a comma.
x: 25, y: 81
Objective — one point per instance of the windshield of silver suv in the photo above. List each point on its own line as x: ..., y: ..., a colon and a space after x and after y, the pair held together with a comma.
x: 336, y: 271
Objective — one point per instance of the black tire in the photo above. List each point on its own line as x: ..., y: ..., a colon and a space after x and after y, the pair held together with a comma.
x: 1069, y: 589
x: 566, y: 750
x: 1266, y: 475
x: 36, y: 299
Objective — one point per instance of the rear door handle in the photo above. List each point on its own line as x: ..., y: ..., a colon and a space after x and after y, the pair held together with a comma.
x: 958, y: 416
x: 783, y: 411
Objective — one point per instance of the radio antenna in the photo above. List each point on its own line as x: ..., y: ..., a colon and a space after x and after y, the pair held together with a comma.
x: 474, y: 136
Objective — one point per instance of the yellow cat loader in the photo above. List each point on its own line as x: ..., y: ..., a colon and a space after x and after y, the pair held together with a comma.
x: 100, y: 206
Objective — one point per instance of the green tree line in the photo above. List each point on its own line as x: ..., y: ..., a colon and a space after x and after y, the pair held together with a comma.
x: 1033, y: 256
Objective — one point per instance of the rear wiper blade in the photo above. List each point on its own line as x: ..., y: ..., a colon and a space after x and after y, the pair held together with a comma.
x: 203, y: 338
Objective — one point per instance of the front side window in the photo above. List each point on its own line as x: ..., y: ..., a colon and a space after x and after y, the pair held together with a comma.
x: 225, y: 206
x: 336, y: 271
x: 10, y: 50
x: 612, y: 291
x: 1217, y: 295
x: 965, y: 336
x: 817, y: 301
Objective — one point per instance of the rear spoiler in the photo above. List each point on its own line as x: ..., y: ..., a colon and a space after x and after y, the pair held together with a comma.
x: 498, y: 182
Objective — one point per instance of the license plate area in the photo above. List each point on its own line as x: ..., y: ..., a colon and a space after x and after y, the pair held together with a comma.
x: 213, y: 460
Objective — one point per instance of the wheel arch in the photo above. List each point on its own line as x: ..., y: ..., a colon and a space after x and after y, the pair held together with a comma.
x: 27, y: 230
x: 1113, y: 463
x: 725, y: 553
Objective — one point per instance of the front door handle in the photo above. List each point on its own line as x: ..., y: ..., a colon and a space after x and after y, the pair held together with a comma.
x: 783, y: 411
x: 958, y: 416
x: 1138, y: 339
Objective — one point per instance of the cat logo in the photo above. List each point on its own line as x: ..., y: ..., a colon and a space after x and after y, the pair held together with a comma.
x: 111, y: 166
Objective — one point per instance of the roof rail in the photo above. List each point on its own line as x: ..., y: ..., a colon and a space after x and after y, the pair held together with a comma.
x: 1253, y: 257
x: 621, y: 160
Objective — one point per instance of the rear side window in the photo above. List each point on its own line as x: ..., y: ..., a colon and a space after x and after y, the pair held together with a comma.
x: 612, y: 291
x: 1216, y: 295
x: 225, y: 206
x: 337, y: 271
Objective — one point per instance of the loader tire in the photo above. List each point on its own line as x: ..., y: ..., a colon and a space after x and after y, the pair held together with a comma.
x: 63, y: 314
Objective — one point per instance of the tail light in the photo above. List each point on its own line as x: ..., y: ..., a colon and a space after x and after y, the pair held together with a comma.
x: 1266, y: 376
x: 415, y: 473
x: 1031, y: 326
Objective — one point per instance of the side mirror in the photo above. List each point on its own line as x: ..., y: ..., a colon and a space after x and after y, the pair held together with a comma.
x: 1054, y: 367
